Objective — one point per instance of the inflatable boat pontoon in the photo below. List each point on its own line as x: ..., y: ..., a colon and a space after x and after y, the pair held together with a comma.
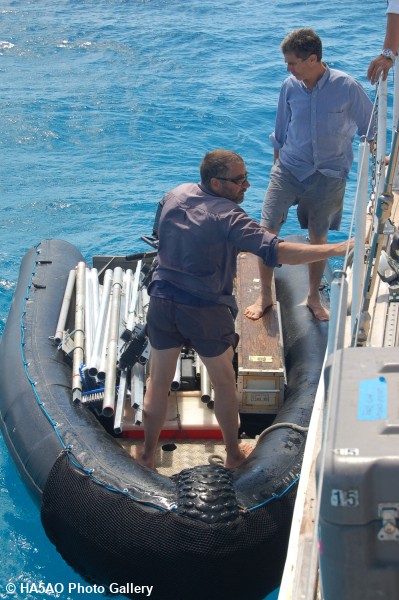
x: 204, y: 532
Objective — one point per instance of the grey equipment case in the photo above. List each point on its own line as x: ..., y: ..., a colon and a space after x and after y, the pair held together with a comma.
x: 359, y: 511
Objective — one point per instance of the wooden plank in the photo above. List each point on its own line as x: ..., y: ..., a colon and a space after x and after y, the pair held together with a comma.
x: 260, y: 345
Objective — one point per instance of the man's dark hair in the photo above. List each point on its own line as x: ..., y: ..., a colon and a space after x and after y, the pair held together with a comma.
x: 216, y: 164
x: 302, y: 43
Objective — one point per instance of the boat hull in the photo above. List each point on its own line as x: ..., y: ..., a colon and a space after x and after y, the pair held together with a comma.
x: 207, y: 531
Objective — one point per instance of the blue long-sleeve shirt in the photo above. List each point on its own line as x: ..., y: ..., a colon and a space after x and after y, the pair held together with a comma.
x: 315, y: 128
x: 200, y: 235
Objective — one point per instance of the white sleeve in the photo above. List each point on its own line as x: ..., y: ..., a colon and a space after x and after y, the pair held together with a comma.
x: 393, y: 6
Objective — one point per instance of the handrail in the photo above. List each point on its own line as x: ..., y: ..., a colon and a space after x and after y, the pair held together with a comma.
x: 364, y: 276
x: 382, y: 91
x: 360, y: 228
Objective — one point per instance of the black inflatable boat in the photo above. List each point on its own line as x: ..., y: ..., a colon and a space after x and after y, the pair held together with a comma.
x: 207, y: 532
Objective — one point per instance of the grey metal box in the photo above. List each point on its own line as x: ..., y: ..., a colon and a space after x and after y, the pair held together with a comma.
x: 359, y: 511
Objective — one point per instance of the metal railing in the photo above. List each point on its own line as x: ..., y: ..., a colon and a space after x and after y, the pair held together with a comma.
x: 371, y: 207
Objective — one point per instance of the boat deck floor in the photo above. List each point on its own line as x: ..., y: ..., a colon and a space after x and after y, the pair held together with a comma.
x: 175, y: 455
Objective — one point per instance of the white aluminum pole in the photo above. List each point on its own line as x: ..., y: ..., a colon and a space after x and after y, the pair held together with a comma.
x: 381, y: 135
x: 137, y: 391
x: 177, y: 376
x: 145, y: 300
x: 88, y: 317
x: 110, y: 380
x: 59, y: 333
x: 137, y: 385
x: 100, y: 324
x: 139, y: 304
x: 138, y: 418
x: 133, y: 301
x: 102, y: 369
x: 128, y: 279
x: 78, y: 338
x: 361, y: 200
x: 122, y: 322
x: 198, y: 364
x: 205, y: 384
x: 96, y: 297
x: 120, y: 404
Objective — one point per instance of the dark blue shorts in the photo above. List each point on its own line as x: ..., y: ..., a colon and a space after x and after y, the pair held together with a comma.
x: 208, y: 329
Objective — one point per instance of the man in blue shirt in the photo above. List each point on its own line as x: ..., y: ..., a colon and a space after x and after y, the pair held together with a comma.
x: 201, y: 229
x: 319, y: 111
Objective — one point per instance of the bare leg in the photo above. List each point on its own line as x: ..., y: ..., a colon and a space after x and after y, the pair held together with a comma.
x: 316, y: 271
x: 264, y: 301
x: 162, y: 370
x: 221, y: 373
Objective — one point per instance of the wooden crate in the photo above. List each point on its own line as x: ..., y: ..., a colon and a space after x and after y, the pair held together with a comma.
x: 261, y: 373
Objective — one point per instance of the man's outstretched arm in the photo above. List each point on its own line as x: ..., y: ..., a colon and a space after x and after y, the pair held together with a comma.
x: 296, y: 253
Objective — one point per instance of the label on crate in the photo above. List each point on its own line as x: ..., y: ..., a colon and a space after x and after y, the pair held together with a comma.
x: 346, y: 451
x: 260, y: 398
x: 373, y: 400
x: 265, y: 359
x: 345, y: 498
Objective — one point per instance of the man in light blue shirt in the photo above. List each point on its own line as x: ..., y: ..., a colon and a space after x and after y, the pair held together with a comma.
x: 319, y: 112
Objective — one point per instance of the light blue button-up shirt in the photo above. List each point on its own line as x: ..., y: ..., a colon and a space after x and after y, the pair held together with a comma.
x: 315, y: 128
x: 393, y: 6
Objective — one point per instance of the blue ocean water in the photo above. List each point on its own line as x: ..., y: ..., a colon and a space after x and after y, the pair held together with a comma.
x: 105, y: 105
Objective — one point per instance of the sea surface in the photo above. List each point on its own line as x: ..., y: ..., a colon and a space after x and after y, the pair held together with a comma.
x: 104, y: 106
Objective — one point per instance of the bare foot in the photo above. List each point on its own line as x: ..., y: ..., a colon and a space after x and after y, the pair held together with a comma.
x: 256, y: 310
x: 142, y: 459
x: 244, y: 450
x: 318, y: 310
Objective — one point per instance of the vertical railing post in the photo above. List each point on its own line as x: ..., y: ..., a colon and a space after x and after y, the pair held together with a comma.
x: 381, y: 135
x: 338, y: 306
x: 395, y: 107
x: 360, y: 230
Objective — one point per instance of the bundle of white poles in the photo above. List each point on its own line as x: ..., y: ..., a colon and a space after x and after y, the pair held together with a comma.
x: 106, y: 317
x: 102, y: 315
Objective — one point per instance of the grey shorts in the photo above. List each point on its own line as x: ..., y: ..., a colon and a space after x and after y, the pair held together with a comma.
x: 209, y: 330
x: 319, y: 198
